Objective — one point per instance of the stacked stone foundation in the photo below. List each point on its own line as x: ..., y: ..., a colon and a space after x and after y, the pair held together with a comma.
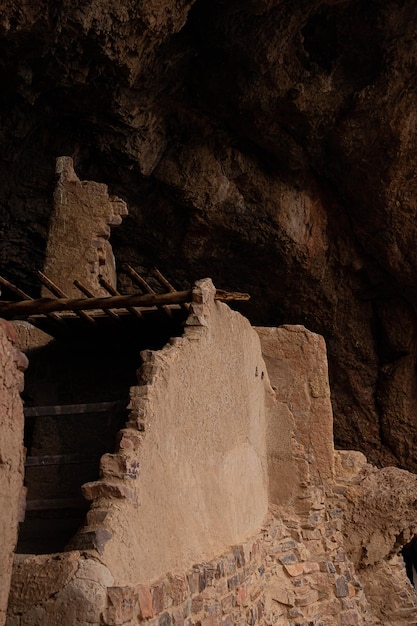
x: 294, y: 572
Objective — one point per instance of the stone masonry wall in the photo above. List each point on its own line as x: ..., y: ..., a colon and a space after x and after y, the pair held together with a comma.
x: 295, y: 571
x: 12, y: 364
x: 292, y: 572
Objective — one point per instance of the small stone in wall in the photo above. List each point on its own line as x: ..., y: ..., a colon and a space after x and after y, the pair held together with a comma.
x: 178, y: 617
x: 342, y: 589
x: 307, y: 598
x: 241, y: 596
x: 197, y: 604
x: 193, y: 581
x: 283, y: 596
x: 233, y: 582
x: 91, y: 540
x: 179, y: 588
x: 294, y: 569
x: 288, y: 558
x: 122, y: 603
x: 158, y: 593
x: 311, y: 567
x: 239, y: 555
x: 144, y: 601
x: 101, y: 489
x: 349, y: 618
x: 288, y: 545
x: 327, y: 566
x: 164, y: 619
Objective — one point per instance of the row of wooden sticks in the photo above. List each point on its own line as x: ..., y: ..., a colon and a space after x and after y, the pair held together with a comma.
x: 28, y: 306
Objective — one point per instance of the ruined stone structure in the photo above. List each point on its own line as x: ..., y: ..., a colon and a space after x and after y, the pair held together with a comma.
x: 212, y: 496
x: 225, y: 502
x: 271, y: 145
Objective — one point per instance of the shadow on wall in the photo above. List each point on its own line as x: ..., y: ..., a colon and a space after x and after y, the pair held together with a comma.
x: 76, y: 394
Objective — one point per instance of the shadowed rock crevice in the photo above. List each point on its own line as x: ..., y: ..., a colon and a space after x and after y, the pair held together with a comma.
x: 345, y: 40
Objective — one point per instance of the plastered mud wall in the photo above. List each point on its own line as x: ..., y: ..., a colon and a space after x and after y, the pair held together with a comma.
x: 192, y: 468
x: 12, y: 364
x: 296, y: 361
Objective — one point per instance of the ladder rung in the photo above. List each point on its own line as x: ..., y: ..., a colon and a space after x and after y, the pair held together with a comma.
x: 60, y: 459
x: 56, y: 503
x: 73, y: 409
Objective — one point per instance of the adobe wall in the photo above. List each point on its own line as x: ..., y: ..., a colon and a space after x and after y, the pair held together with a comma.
x: 198, y: 479
x: 296, y: 361
x: 12, y: 364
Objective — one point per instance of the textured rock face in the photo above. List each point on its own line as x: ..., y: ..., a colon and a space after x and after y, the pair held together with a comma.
x: 382, y: 513
x: 376, y: 511
x: 270, y: 145
x: 62, y: 588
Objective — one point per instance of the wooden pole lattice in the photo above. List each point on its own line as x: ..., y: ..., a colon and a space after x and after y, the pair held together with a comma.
x: 28, y: 307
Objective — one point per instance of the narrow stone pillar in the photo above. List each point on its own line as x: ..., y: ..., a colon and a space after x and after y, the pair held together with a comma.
x: 297, y: 366
x: 12, y: 365
x: 78, y: 245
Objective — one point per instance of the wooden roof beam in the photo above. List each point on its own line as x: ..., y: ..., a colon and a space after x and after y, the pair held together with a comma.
x: 113, y: 292
x: 57, y: 291
x: 168, y: 285
x: 43, y: 306
x: 90, y: 294
x: 141, y: 282
x: 24, y: 296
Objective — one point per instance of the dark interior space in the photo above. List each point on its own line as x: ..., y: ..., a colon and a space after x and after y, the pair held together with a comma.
x: 76, y: 396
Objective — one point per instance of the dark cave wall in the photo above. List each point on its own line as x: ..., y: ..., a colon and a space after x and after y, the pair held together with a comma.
x: 269, y: 145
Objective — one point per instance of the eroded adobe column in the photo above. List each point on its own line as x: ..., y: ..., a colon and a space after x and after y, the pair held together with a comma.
x: 12, y: 365
x: 297, y: 366
x: 78, y: 245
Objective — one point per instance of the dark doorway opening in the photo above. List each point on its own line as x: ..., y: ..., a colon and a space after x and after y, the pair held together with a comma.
x: 76, y: 397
